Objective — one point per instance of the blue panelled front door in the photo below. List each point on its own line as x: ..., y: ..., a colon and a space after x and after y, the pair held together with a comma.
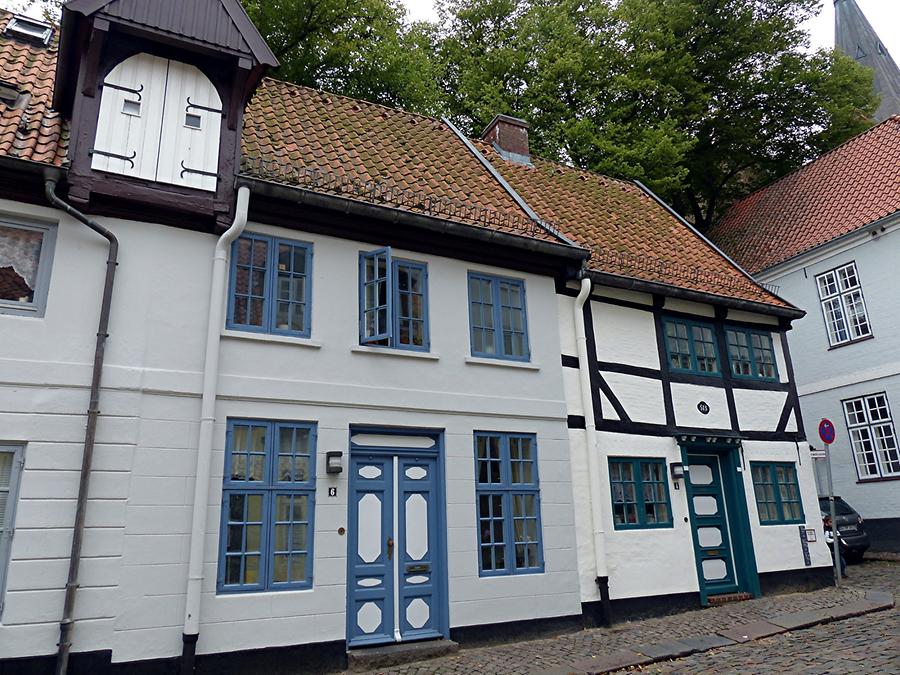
x: 395, y: 584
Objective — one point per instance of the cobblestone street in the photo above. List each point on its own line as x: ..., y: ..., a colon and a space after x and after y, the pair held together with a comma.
x: 869, y: 643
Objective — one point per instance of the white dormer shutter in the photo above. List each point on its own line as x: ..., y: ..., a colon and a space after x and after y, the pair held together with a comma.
x: 192, y: 120
x: 131, y: 111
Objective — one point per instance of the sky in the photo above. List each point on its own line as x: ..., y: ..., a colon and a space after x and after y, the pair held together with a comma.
x: 884, y: 15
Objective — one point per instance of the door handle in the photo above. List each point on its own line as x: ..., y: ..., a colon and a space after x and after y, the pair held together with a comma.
x: 390, y: 548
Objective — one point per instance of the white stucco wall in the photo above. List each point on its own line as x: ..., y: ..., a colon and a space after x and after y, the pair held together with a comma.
x: 138, y: 520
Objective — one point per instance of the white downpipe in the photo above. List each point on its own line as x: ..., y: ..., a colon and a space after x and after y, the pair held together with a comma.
x: 208, y: 411
x: 590, y: 428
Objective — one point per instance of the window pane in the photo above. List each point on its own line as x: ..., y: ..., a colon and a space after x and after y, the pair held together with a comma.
x: 835, y: 321
x: 20, y: 255
x: 251, y: 260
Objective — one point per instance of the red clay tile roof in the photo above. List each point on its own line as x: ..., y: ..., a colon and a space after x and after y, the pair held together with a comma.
x: 30, y: 130
x: 630, y: 233
x: 300, y: 135
x: 851, y: 186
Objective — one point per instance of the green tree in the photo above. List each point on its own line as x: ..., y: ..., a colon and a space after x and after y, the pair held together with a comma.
x: 360, y: 48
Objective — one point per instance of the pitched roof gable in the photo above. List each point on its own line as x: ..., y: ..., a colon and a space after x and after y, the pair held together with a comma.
x: 845, y: 189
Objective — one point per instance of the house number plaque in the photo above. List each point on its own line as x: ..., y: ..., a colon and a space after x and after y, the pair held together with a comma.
x: 703, y: 407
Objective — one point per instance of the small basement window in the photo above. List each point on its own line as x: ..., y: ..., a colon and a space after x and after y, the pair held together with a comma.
x: 192, y: 121
x: 9, y: 93
x: 132, y: 108
x: 28, y: 29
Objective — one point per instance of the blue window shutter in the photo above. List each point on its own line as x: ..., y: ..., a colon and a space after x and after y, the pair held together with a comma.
x: 376, y: 297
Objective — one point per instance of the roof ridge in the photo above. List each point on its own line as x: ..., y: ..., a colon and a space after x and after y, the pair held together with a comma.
x: 800, y: 169
x: 403, y: 111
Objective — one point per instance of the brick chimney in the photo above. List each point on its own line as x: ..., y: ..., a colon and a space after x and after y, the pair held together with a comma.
x: 509, y: 136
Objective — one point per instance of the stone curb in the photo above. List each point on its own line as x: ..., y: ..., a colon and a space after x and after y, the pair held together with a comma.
x: 882, y: 556
x: 645, y: 654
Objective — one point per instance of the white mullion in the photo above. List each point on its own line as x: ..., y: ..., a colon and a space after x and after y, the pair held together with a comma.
x: 396, y: 507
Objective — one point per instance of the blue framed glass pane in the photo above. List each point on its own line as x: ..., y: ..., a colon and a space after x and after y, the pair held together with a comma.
x: 739, y: 353
x: 777, y: 493
x: 291, y: 538
x: 512, y: 312
x: 525, y: 530
x: 481, y: 298
x: 691, y: 347
x: 248, y: 453
x: 640, y: 493
x: 376, y: 296
x: 250, y: 285
x: 679, y: 345
x: 293, y: 453
x: 489, y: 460
x: 291, y: 288
x: 498, y: 317
x: 244, y: 539
x: 763, y: 356
x: 411, y: 329
x: 492, y: 537
x: 704, y: 343
x: 751, y: 354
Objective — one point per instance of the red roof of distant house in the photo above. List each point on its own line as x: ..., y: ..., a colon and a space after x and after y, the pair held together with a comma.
x: 851, y: 186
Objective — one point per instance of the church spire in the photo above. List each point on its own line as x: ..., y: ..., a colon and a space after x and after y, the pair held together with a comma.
x: 854, y: 35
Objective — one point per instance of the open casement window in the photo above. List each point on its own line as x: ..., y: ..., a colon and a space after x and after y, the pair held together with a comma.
x: 26, y: 254
x: 843, y: 305
x: 159, y: 120
x: 393, y: 301
x: 11, y: 461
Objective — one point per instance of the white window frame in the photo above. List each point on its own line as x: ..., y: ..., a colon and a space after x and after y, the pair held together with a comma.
x: 7, y: 524
x: 843, y: 305
x: 38, y: 305
x: 873, y: 439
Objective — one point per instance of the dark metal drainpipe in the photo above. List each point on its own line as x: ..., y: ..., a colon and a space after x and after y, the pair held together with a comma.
x: 68, y: 620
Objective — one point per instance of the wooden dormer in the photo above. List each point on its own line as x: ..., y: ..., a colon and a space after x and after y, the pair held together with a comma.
x: 155, y: 90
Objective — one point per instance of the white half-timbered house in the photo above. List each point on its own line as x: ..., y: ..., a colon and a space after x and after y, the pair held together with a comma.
x: 287, y: 374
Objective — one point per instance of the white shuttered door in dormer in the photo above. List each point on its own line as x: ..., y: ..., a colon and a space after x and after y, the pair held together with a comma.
x: 131, y: 111
x: 192, y: 120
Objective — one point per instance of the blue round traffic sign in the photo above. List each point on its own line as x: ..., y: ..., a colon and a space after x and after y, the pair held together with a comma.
x: 826, y: 431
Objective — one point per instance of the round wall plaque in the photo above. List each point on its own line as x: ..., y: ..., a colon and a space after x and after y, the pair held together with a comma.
x: 703, y: 407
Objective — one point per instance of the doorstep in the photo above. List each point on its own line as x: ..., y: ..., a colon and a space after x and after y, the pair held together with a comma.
x: 374, y: 658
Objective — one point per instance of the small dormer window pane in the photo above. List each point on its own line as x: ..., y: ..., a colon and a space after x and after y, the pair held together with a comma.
x: 9, y: 94
x: 192, y: 121
x: 131, y: 108
x: 29, y: 29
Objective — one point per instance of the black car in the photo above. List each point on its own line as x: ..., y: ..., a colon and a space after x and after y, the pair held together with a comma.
x: 853, y: 538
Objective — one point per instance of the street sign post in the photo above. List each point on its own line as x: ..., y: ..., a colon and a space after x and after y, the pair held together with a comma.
x: 827, y: 434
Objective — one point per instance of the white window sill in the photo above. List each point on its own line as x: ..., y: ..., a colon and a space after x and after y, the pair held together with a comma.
x: 268, y: 337
x: 389, y: 351
x: 502, y: 363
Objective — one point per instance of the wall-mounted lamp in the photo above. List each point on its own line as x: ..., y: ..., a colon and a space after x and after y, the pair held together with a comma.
x: 334, y: 461
x: 677, y: 470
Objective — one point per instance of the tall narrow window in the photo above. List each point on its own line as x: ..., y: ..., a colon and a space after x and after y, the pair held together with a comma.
x: 777, y: 492
x: 843, y: 305
x: 508, y: 495
x: 270, y: 285
x: 751, y: 354
x: 393, y: 301
x: 640, y: 493
x: 691, y: 347
x: 26, y: 255
x: 11, y: 461
x: 872, y: 437
x: 267, y: 506
x: 498, y: 317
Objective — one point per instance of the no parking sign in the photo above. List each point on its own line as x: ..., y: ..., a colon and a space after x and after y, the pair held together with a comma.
x: 826, y: 431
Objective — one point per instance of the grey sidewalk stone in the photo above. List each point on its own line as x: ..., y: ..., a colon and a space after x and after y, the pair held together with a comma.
x: 751, y: 631
x: 702, y: 643
x: 667, y: 649
x: 881, y: 597
x: 624, y: 658
x: 797, y: 620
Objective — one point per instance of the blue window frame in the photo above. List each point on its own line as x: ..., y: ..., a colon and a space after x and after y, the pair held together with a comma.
x: 691, y: 347
x: 777, y: 493
x: 393, y: 301
x: 270, y: 288
x: 498, y: 317
x: 751, y: 354
x: 509, y: 504
x: 640, y: 493
x: 268, y: 501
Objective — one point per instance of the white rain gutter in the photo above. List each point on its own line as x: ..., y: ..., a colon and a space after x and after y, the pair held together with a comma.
x: 207, y: 425
x: 593, y: 451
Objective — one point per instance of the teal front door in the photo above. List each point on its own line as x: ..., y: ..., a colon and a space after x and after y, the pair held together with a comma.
x: 712, y: 526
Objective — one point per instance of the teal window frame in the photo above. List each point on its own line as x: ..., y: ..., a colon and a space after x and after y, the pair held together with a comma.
x: 691, y: 340
x: 262, y: 476
x: 640, y: 502
x: 505, y: 480
x: 753, y: 357
x: 766, y: 475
